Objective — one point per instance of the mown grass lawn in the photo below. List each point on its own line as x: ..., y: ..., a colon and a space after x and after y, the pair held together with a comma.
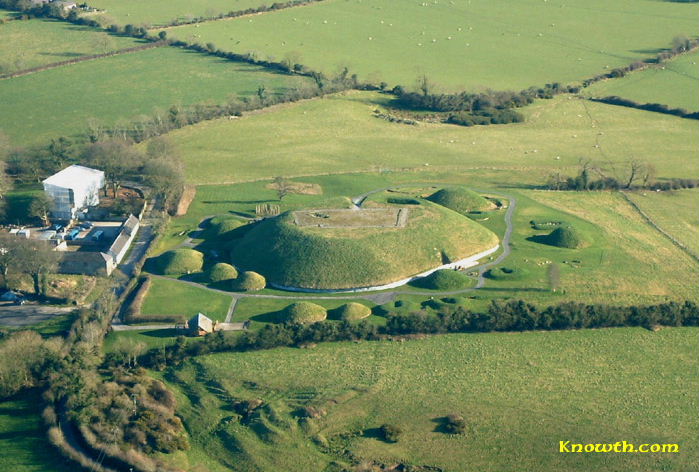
x: 520, y: 395
x: 25, y: 446
x: 17, y: 202
x: 168, y: 297
x: 457, y: 44
x: 26, y: 44
x: 122, y: 88
x: 5, y: 14
x: 162, y: 12
x: 674, y: 83
x: 313, y: 138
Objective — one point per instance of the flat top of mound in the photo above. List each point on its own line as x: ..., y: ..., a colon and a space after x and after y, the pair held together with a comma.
x: 461, y: 199
x: 386, y: 217
x: 350, y: 257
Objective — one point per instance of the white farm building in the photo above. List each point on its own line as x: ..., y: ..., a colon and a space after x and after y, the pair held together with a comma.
x: 73, y: 190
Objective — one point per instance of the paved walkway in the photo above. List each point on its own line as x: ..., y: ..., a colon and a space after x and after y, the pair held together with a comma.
x: 29, y: 314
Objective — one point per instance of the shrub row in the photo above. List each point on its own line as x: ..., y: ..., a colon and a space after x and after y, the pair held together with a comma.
x: 500, y: 316
x: 474, y: 103
x: 394, y: 119
x: 490, y: 116
x: 680, y: 45
x: 656, y: 107
x: 81, y: 59
x: 581, y: 183
x: 139, y: 295
x: 248, y: 11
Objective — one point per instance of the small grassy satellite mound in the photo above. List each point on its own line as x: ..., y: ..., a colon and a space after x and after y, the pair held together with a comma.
x: 461, y: 200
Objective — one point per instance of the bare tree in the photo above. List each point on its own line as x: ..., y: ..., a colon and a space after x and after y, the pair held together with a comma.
x: 555, y: 181
x: 425, y: 85
x: 282, y: 186
x: 9, y: 259
x: 165, y: 176
x: 117, y: 158
x: 40, y: 207
x: 649, y: 174
x: 636, y: 168
x: 38, y: 260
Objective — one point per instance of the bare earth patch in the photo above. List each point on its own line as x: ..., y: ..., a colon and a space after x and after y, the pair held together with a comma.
x: 300, y: 188
x: 357, y: 218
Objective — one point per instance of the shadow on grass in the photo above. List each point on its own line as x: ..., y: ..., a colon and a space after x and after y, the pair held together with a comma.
x: 276, y: 317
x: 541, y: 239
x: 373, y: 433
x: 239, y: 202
x: 163, y: 333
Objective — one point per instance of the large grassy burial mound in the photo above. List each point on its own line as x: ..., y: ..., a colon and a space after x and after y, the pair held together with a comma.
x: 355, y: 250
x: 461, y: 200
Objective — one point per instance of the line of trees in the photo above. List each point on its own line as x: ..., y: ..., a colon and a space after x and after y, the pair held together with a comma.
x: 680, y: 45
x: 500, y: 316
x: 636, y: 175
x: 469, y: 109
x: 7, y: 72
x: 247, y: 11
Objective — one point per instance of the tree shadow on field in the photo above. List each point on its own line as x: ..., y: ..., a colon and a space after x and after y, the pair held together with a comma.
x: 241, y: 202
x: 373, y: 433
x: 649, y: 51
x: 276, y: 317
x: 62, y: 54
x: 540, y: 239
x: 162, y: 333
x: 440, y: 424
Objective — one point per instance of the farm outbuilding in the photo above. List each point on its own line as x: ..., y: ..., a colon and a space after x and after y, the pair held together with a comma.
x: 200, y: 325
x: 73, y: 190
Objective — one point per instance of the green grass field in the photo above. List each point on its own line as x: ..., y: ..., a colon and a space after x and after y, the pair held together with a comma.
x: 162, y: 12
x: 5, y: 14
x: 122, y: 88
x: 519, y: 393
x: 461, y: 43
x: 674, y: 83
x: 26, y: 44
x: 312, y: 138
x: 626, y: 262
x: 675, y: 212
x: 167, y: 297
x: 17, y: 201
x: 25, y: 447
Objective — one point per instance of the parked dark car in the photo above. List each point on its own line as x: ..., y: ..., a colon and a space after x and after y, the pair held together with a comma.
x: 86, y: 225
x: 72, y: 234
